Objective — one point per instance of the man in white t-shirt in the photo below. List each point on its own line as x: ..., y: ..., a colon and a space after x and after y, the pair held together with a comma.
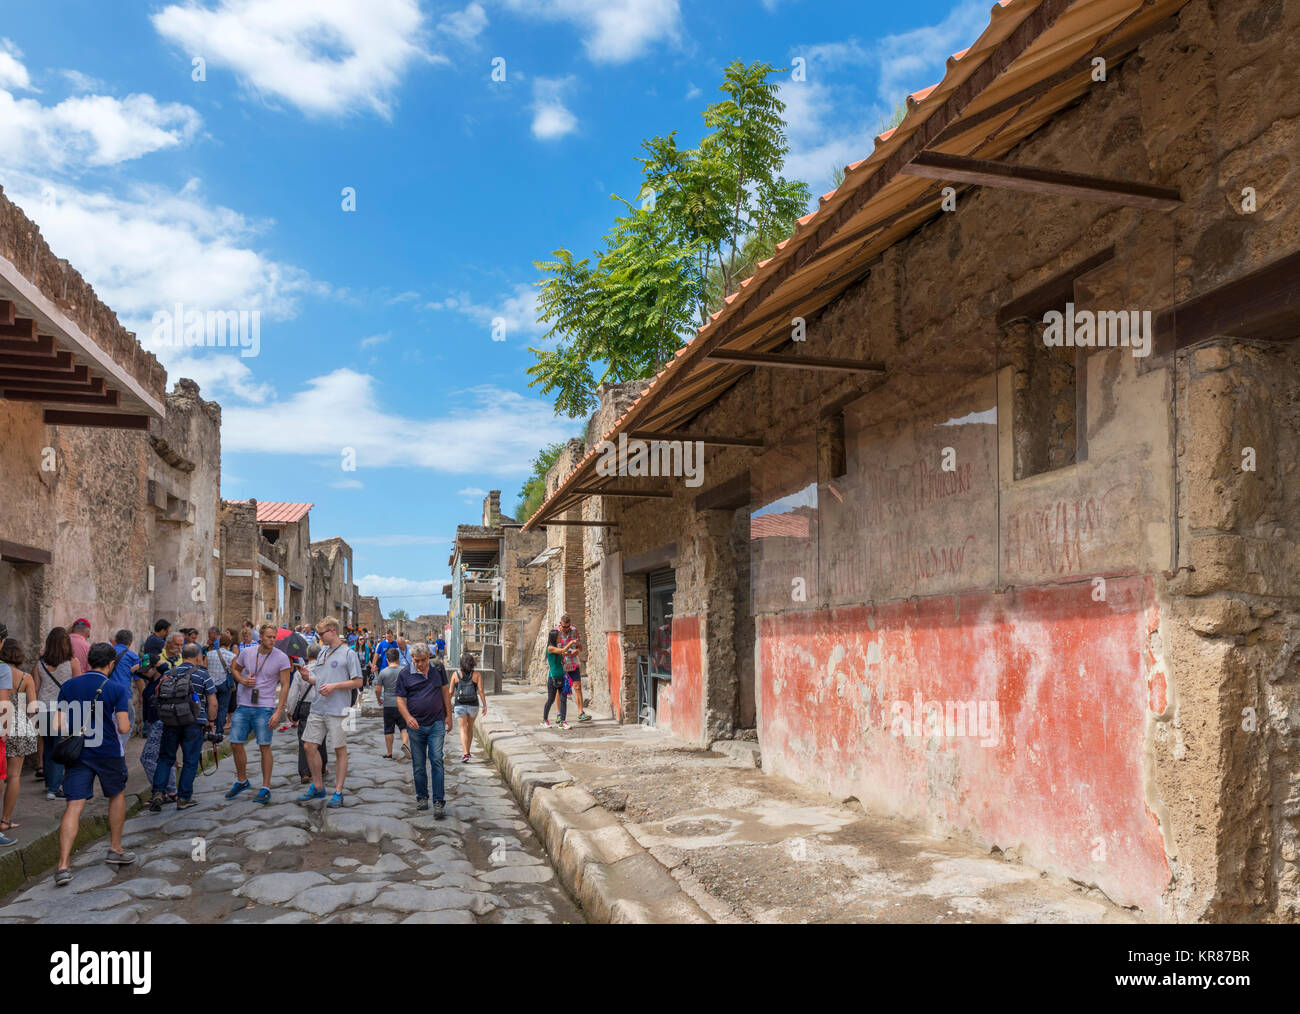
x: 334, y: 674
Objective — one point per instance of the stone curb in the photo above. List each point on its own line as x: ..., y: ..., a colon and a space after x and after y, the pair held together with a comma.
x: 38, y: 856
x: 613, y: 878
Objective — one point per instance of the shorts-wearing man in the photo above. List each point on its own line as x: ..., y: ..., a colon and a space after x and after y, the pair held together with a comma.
x: 336, y: 672
x: 262, y: 672
x: 386, y: 692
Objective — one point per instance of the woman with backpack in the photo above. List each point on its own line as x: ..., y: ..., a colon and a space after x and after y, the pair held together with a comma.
x: 54, y: 668
x: 466, y: 693
x: 554, y: 680
x: 219, y: 659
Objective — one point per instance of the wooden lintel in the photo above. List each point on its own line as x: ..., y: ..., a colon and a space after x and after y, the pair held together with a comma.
x: 1054, y: 293
x: 103, y: 420
x: 108, y: 399
x: 78, y: 374
x: 20, y: 327
x: 725, y: 496
x: 1263, y: 305
x: 16, y: 552
x: 91, y: 385
x: 695, y: 438
x: 937, y: 165
x: 654, y: 494
x: 581, y: 524
x: 795, y: 362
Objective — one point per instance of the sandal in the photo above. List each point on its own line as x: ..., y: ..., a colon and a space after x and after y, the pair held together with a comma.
x: 171, y: 797
x: 9, y: 825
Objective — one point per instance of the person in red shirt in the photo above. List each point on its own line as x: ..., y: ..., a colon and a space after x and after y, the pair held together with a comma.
x: 79, y: 632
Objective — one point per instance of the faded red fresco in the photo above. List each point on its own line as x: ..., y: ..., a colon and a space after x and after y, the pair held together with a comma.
x: 614, y: 666
x: 681, y: 700
x: 1070, y: 678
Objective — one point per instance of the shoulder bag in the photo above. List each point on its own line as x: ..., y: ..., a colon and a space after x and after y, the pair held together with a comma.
x: 67, y: 751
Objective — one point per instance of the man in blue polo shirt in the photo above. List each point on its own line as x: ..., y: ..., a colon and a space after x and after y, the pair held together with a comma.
x: 424, y: 702
x: 96, y: 704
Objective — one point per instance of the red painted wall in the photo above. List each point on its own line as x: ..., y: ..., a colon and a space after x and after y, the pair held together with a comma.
x: 681, y: 700
x: 1071, y: 681
x: 614, y: 667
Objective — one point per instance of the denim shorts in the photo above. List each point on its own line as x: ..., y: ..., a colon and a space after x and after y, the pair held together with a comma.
x: 465, y: 710
x: 248, y: 721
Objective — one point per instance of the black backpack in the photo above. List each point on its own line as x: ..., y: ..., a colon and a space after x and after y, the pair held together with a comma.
x: 466, y: 691
x: 174, y: 698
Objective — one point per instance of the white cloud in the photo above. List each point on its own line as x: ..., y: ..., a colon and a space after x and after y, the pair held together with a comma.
x: 518, y: 310
x: 915, y: 59
x: 348, y: 484
x: 551, y: 118
x: 465, y: 25
x: 12, y: 72
x: 819, y: 143
x: 153, y: 247
x: 376, y: 339
x: 83, y: 82
x: 376, y: 584
x: 84, y: 130
x: 326, y: 57
x: 613, y: 31
x: 472, y: 491
x: 486, y: 430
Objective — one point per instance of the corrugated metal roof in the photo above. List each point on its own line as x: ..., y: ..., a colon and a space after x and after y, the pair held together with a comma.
x: 1031, y: 61
x: 775, y: 526
x: 272, y: 512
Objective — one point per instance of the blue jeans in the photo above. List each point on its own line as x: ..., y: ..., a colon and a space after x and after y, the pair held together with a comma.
x: 53, y: 770
x: 190, y: 740
x: 426, y: 742
x: 223, y: 709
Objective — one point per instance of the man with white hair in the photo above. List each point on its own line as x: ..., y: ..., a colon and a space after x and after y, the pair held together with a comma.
x: 424, y: 702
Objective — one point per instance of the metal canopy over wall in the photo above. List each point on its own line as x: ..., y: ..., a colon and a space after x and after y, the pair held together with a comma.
x: 1034, y: 59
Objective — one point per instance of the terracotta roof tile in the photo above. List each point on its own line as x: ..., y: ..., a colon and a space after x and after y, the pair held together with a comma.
x: 281, y: 512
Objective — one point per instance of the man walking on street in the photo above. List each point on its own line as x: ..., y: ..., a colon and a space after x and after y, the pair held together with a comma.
x: 182, y: 727
x: 571, y: 645
x: 424, y: 702
x: 95, y: 704
x: 386, y: 696
x: 335, y: 672
x: 262, y: 672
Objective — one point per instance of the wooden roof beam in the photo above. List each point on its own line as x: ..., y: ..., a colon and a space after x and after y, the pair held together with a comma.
x: 42, y: 345
x: 581, y: 524
x: 937, y: 165
x: 700, y: 438
x: 91, y: 385
x: 108, y: 399
x: 19, y: 327
x: 58, y: 361
x: 654, y: 494
x: 796, y: 362
x: 78, y: 374
x: 102, y: 420
x: 6, y: 311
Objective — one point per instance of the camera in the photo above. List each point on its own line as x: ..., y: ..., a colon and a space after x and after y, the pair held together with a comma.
x: 213, y: 736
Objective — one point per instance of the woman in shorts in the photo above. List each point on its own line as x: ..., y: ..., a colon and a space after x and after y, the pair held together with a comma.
x: 466, y: 694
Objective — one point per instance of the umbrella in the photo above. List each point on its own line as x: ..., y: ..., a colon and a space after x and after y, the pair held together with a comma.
x: 293, y: 644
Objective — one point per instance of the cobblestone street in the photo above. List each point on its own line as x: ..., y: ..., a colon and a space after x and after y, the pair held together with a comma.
x: 375, y: 860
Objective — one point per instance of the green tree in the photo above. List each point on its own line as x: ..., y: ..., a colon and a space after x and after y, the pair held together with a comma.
x: 399, y: 614
x: 534, y: 489
x: 707, y: 216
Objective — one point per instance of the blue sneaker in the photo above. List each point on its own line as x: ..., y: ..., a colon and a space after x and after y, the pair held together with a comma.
x: 335, y: 800
x: 263, y: 796
x: 236, y: 789
x: 311, y: 793
x: 6, y: 840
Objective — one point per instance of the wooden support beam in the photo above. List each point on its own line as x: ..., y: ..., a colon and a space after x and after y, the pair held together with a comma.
x: 795, y: 362
x: 6, y: 311
x: 78, y: 374
x: 16, y: 552
x: 91, y: 385
x: 725, y: 496
x: 582, y: 524
x: 653, y: 494
x: 108, y: 399
x: 1263, y: 305
x: 103, y: 420
x: 937, y: 165
x: 21, y: 327
x: 57, y: 361
x: 1054, y: 293
x: 694, y: 438
x: 42, y: 345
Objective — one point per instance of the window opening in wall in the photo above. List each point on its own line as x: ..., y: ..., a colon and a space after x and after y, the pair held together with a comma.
x: 1045, y: 406
x: 662, y: 584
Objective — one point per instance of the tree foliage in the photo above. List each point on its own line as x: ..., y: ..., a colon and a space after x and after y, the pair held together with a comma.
x: 534, y: 489
x: 706, y: 216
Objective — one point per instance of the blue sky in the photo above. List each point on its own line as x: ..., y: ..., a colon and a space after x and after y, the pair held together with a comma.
x: 226, y: 193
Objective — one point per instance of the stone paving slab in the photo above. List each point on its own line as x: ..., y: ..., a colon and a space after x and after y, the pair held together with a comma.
x: 374, y: 860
